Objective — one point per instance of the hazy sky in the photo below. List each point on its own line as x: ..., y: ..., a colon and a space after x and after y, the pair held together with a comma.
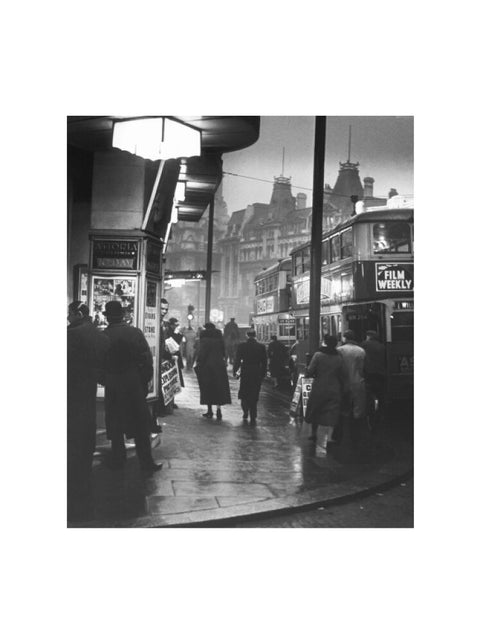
x: 383, y: 145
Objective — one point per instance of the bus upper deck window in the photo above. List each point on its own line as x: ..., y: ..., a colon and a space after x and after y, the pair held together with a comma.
x: 391, y: 237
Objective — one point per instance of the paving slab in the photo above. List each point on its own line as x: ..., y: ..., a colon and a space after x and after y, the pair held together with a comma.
x: 217, y: 471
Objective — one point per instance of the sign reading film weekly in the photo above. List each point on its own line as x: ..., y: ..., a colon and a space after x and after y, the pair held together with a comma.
x: 115, y: 254
x: 394, y: 277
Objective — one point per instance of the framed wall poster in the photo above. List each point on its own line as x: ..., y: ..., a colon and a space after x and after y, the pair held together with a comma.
x: 118, y: 288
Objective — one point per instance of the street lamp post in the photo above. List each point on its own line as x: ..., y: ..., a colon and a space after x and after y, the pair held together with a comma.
x: 317, y: 232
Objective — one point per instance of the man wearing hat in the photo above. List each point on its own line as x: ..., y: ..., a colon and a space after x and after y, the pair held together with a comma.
x: 231, y: 336
x: 128, y: 370
x: 251, y: 358
x: 86, y: 350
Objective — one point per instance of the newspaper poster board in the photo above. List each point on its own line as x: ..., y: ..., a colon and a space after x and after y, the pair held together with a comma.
x: 170, y: 381
x: 306, y: 389
x: 295, y: 402
x: 151, y: 330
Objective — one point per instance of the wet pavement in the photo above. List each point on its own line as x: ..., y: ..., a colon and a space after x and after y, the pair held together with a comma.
x: 216, y: 471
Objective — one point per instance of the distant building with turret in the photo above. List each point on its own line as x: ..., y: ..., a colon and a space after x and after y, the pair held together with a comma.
x: 263, y: 233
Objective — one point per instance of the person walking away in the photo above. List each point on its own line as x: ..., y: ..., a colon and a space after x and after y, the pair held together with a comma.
x: 190, y: 336
x: 330, y: 382
x: 86, y: 350
x: 129, y: 368
x: 211, y: 371
x: 356, y: 403
x: 176, y: 353
x: 251, y: 359
x: 278, y: 358
x: 375, y: 375
x: 231, y: 335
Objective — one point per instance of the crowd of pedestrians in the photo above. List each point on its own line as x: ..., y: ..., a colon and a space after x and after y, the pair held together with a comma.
x: 345, y: 380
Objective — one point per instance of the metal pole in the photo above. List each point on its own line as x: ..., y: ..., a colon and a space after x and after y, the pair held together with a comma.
x: 317, y: 232
x: 208, y: 289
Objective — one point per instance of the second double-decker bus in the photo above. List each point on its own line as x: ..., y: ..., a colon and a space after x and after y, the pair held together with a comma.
x: 272, y: 302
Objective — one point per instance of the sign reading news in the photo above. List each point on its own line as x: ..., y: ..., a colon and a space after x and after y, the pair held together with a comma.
x: 394, y: 277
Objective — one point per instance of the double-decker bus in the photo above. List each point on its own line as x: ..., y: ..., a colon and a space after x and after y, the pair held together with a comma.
x: 367, y: 284
x: 272, y: 302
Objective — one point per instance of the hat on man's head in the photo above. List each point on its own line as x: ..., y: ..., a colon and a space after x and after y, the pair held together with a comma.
x: 114, y: 310
x: 78, y: 306
x: 209, y: 325
x: 349, y: 334
x: 172, y: 321
x: 251, y: 333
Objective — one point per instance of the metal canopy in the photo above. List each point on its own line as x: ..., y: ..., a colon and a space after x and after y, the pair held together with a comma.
x: 203, y: 173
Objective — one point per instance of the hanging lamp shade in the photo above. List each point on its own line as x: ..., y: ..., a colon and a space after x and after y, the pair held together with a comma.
x: 156, y: 138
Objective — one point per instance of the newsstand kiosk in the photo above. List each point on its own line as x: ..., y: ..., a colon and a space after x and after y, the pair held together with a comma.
x: 127, y: 267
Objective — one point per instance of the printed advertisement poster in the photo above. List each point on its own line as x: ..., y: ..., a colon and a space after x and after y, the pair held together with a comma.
x: 151, y: 332
x: 107, y: 289
x: 394, y: 277
x: 306, y: 389
x: 294, y: 404
x: 170, y: 381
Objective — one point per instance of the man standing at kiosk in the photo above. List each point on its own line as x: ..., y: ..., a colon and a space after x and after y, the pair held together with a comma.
x: 128, y: 370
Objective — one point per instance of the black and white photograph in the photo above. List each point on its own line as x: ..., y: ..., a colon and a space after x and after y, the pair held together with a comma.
x: 278, y: 387
x: 245, y: 408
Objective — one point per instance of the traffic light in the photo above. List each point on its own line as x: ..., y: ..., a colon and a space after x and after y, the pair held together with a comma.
x: 190, y: 312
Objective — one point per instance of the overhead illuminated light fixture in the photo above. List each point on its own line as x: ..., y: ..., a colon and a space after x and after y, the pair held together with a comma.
x: 180, y: 191
x: 156, y: 138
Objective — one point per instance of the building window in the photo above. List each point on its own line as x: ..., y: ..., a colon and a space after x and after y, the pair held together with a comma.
x: 325, y: 253
x: 346, y: 242
x: 335, y: 248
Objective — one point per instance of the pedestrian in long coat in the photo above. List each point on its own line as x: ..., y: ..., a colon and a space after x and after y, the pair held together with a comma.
x: 278, y: 358
x: 330, y: 383
x: 128, y: 370
x: 251, y: 358
x: 86, y: 350
x: 354, y: 358
x: 211, y: 370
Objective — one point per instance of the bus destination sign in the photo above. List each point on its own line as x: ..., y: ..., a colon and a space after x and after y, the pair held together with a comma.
x: 394, y: 277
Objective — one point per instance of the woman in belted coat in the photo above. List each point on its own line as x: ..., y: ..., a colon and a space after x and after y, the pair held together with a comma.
x: 211, y: 371
x: 328, y: 388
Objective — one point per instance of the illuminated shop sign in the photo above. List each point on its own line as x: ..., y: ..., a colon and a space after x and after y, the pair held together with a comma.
x: 394, y: 277
x: 115, y: 254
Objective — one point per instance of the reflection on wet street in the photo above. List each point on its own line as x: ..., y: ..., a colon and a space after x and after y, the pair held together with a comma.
x: 211, y: 464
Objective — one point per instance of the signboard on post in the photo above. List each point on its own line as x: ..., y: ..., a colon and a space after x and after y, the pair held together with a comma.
x: 295, y: 405
x: 306, y: 389
x: 170, y: 381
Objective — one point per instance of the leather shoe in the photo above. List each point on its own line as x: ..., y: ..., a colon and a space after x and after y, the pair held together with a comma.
x: 208, y: 415
x: 151, y: 468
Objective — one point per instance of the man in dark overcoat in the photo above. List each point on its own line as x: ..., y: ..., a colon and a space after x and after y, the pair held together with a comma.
x: 86, y: 350
x: 278, y: 356
x: 128, y: 370
x: 231, y: 336
x: 251, y: 358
